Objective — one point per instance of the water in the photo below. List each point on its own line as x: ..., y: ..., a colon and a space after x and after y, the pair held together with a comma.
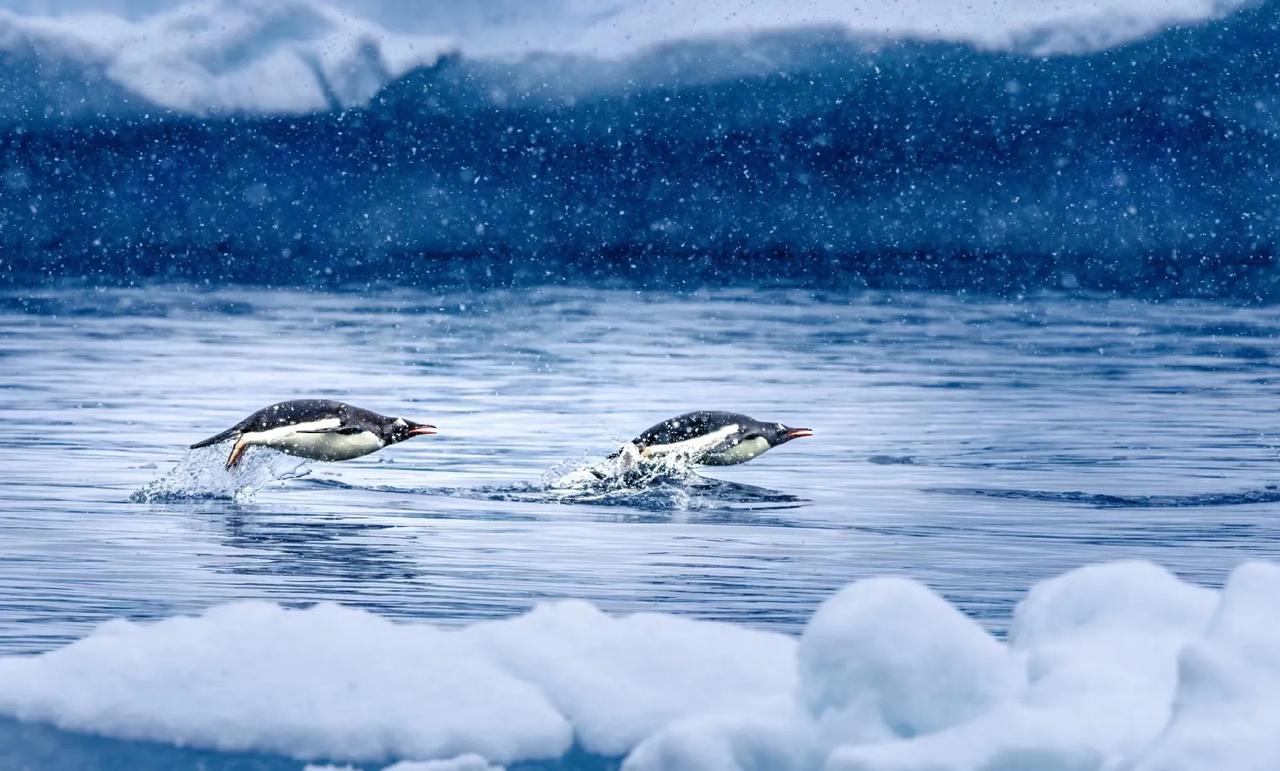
x: 976, y: 444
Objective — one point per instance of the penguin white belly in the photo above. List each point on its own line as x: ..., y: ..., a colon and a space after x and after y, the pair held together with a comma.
x: 330, y: 446
x: 321, y: 444
x: 691, y: 448
x: 741, y: 452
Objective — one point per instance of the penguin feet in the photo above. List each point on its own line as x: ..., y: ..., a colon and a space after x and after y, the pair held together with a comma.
x: 237, y: 452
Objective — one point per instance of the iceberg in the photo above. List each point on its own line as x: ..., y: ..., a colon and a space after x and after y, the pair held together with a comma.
x: 202, y: 58
x: 210, y: 57
x: 922, y: 144
x: 1113, y: 667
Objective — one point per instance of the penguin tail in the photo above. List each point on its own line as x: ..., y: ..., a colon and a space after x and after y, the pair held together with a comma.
x: 224, y: 436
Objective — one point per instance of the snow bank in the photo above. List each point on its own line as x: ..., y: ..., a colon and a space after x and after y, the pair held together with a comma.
x: 1096, y: 650
x: 1121, y: 667
x: 887, y: 657
x: 1225, y: 711
x: 617, y: 680
x: 329, y: 682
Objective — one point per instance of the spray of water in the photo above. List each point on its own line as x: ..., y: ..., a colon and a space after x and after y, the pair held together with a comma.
x: 199, y: 475
x: 627, y: 478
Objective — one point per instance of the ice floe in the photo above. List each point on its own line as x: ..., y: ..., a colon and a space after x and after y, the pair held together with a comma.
x: 1114, y: 667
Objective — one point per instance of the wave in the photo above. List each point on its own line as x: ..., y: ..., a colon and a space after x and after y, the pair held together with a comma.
x: 1270, y: 494
x: 886, y: 675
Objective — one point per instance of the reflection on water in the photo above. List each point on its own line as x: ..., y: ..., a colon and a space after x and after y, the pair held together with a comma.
x: 975, y: 444
x: 338, y: 550
x: 1104, y: 501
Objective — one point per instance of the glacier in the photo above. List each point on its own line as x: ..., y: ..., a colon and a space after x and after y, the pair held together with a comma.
x: 1122, y: 147
x: 1117, y: 667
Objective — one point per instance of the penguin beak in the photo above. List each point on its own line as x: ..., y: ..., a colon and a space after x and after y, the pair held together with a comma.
x: 797, y: 433
x: 422, y: 429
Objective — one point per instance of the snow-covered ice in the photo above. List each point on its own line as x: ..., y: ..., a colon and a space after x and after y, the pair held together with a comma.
x: 207, y: 57
x: 1112, y: 667
x: 219, y: 56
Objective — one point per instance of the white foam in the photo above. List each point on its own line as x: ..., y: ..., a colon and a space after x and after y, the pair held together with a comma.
x: 1114, y: 667
x: 625, y: 470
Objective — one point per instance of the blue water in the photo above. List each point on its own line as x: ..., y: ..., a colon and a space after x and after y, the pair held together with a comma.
x: 976, y: 444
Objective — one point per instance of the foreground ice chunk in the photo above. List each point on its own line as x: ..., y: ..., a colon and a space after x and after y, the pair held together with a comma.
x: 1117, y: 667
x: 619, y: 680
x: 1098, y: 647
x: 888, y: 658
x: 1226, y: 713
x: 732, y: 741
x: 1101, y: 646
x: 328, y: 682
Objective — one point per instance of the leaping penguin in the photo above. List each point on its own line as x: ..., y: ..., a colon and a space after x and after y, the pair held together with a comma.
x: 710, y: 438
x: 319, y: 429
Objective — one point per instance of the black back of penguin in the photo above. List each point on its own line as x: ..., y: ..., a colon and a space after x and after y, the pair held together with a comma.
x: 297, y: 411
x: 300, y: 411
x: 689, y: 426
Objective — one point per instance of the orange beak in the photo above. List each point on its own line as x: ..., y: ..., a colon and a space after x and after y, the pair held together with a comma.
x: 422, y: 430
x: 798, y: 433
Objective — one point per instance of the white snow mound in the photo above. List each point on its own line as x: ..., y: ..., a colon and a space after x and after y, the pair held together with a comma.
x: 1114, y: 667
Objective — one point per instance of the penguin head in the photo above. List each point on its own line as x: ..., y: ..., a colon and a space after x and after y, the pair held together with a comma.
x: 777, y: 433
x: 400, y: 429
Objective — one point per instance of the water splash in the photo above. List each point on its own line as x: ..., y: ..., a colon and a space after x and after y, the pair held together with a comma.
x: 200, y: 475
x: 662, y: 484
x: 650, y: 486
x: 627, y: 478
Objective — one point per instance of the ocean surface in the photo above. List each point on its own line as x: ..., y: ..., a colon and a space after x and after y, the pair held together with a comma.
x: 977, y: 444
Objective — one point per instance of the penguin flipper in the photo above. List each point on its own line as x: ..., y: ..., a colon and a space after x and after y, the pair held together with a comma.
x: 224, y: 436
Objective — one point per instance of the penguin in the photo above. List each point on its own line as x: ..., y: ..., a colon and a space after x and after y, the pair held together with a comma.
x: 319, y: 429
x: 710, y: 438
